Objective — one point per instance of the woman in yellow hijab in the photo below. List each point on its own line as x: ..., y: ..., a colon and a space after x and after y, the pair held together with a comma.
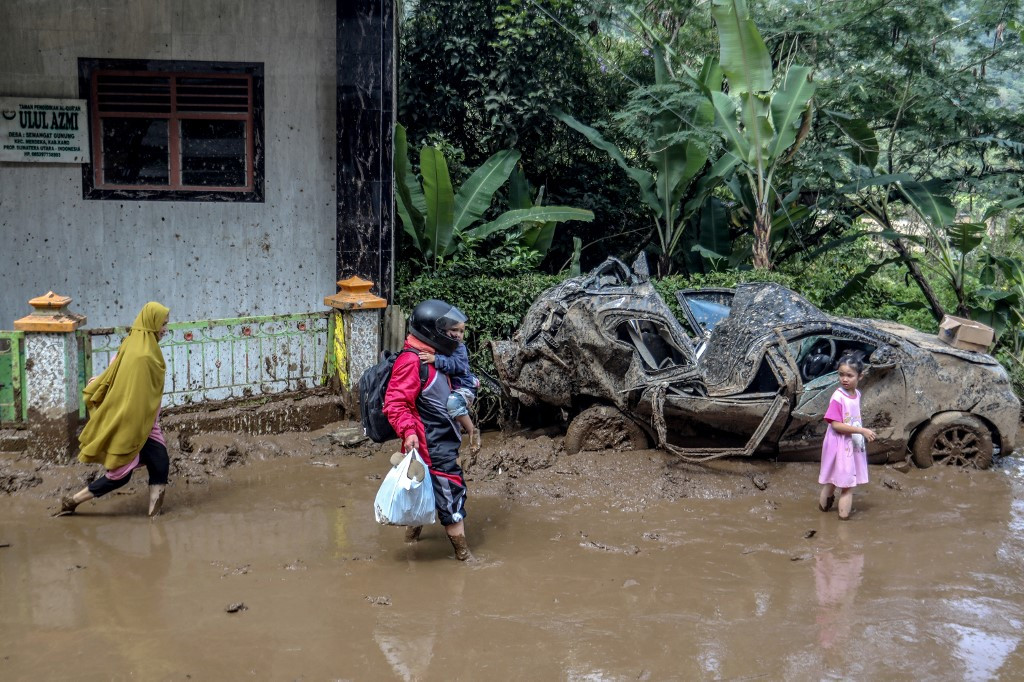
x: 123, y: 430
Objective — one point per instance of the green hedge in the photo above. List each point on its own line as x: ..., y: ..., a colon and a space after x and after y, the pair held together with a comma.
x: 495, y: 306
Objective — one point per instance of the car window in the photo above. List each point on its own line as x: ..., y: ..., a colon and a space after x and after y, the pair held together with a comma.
x: 818, y: 355
x: 704, y: 308
x: 652, y: 342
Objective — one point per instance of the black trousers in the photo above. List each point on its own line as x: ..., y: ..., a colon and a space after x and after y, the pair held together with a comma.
x: 153, y: 455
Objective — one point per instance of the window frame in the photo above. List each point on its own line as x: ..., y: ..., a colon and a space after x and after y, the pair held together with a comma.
x: 93, y: 184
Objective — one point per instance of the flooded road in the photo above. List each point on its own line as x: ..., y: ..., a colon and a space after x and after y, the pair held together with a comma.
x: 596, y: 566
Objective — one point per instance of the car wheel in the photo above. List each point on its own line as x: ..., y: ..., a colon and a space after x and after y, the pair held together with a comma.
x: 953, y: 438
x: 603, y: 427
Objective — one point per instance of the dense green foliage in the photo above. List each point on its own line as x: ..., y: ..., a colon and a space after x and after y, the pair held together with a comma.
x: 903, y: 199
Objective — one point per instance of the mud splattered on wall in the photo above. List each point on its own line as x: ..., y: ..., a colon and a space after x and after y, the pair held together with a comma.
x: 202, y: 259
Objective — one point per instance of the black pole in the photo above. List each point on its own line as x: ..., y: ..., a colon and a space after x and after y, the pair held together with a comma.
x: 366, y: 121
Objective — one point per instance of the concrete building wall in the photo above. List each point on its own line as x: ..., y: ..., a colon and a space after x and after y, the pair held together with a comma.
x: 201, y: 259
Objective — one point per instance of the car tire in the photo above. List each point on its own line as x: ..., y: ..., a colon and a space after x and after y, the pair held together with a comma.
x: 953, y: 438
x: 603, y: 427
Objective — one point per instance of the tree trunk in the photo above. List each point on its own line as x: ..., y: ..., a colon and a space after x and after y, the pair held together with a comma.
x: 922, y: 283
x: 762, y: 242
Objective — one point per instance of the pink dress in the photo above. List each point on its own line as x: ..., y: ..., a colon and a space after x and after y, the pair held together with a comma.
x: 844, y: 459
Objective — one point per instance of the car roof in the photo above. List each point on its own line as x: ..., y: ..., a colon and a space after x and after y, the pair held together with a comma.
x: 736, y: 344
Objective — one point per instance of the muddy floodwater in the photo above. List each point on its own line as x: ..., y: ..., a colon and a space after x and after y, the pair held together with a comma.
x: 266, y: 564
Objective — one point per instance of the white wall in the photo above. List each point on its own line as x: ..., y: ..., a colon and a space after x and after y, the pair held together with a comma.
x: 203, y: 260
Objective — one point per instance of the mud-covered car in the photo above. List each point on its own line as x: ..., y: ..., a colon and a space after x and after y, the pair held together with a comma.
x: 745, y: 371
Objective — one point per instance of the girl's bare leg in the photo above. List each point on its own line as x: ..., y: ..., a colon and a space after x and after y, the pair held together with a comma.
x: 845, y: 503
x: 826, y: 497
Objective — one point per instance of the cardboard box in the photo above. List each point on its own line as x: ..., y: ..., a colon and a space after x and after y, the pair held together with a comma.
x: 966, y: 334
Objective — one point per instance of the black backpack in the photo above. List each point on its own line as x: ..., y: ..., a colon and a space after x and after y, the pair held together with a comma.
x: 372, y: 387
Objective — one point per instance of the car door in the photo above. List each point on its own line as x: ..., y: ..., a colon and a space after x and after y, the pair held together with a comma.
x: 738, y: 424
x: 883, y: 391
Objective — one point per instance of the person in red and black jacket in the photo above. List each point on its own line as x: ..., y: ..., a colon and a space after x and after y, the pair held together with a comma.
x: 418, y: 411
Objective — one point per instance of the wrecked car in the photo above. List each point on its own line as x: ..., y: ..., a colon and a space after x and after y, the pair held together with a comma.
x: 744, y: 371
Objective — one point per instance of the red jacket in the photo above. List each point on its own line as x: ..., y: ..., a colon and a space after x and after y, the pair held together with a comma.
x: 403, y: 390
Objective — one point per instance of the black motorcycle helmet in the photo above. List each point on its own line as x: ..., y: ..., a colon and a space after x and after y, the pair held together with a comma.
x: 431, y: 319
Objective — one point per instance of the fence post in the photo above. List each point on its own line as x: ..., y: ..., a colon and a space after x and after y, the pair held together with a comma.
x: 51, y: 376
x: 356, y: 327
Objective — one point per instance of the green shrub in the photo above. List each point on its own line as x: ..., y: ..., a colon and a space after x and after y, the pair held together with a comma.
x: 495, y: 306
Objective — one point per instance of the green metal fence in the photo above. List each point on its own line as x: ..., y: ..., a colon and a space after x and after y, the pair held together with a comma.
x: 13, y: 397
x: 232, y: 358
x: 84, y: 342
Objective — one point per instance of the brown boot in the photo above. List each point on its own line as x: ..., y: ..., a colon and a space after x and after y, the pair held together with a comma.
x: 462, y: 552
x: 412, y: 533
x: 67, y: 506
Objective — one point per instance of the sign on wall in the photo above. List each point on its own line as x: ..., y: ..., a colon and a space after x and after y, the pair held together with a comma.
x: 48, y: 130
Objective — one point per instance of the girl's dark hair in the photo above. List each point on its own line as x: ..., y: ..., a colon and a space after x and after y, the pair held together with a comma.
x: 854, y: 361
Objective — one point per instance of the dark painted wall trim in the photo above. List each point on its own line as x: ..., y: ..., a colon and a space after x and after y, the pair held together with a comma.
x: 366, y: 118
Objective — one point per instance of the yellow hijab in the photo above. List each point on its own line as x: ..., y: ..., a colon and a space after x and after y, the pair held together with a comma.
x: 123, y: 401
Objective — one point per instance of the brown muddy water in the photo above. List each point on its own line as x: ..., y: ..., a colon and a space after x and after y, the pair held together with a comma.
x: 596, y: 566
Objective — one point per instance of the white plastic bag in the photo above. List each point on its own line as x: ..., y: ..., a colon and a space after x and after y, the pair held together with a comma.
x: 403, y: 501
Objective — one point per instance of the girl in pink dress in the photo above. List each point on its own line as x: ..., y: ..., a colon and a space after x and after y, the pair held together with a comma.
x: 844, y: 457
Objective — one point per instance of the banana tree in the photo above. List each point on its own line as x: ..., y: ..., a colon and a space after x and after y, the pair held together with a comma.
x: 763, y: 129
x: 440, y: 220
x: 677, y: 156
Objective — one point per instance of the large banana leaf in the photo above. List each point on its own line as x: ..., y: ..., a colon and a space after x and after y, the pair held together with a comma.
x: 864, y: 148
x: 474, y: 197
x: 410, y: 200
x: 538, y: 236
x: 714, y: 229
x: 965, y: 237
x: 711, y: 75
x: 1008, y: 205
x: 519, y: 190
x: 536, y: 214
x: 757, y: 129
x: 788, y: 106
x: 725, y: 117
x: 938, y: 209
x: 716, y: 175
x: 437, y: 189
x: 744, y: 57
x: 642, y: 178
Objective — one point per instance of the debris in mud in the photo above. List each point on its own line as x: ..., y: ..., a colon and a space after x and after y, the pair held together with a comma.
x: 591, y: 544
x: 231, y: 455
x: 760, y: 482
x: 810, y: 534
x: 514, y: 457
x: 348, y: 437
x: 800, y: 557
x: 382, y: 600
x: 323, y: 464
x: 892, y: 483
x: 229, y: 570
x: 296, y: 565
x: 76, y: 567
x: 236, y: 607
x: 902, y: 467
x: 4, y: 544
x: 12, y: 481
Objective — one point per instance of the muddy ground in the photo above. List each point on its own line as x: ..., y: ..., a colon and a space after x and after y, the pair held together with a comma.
x: 267, y: 564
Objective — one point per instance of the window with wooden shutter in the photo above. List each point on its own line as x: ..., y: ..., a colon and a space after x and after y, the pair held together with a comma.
x: 174, y: 130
